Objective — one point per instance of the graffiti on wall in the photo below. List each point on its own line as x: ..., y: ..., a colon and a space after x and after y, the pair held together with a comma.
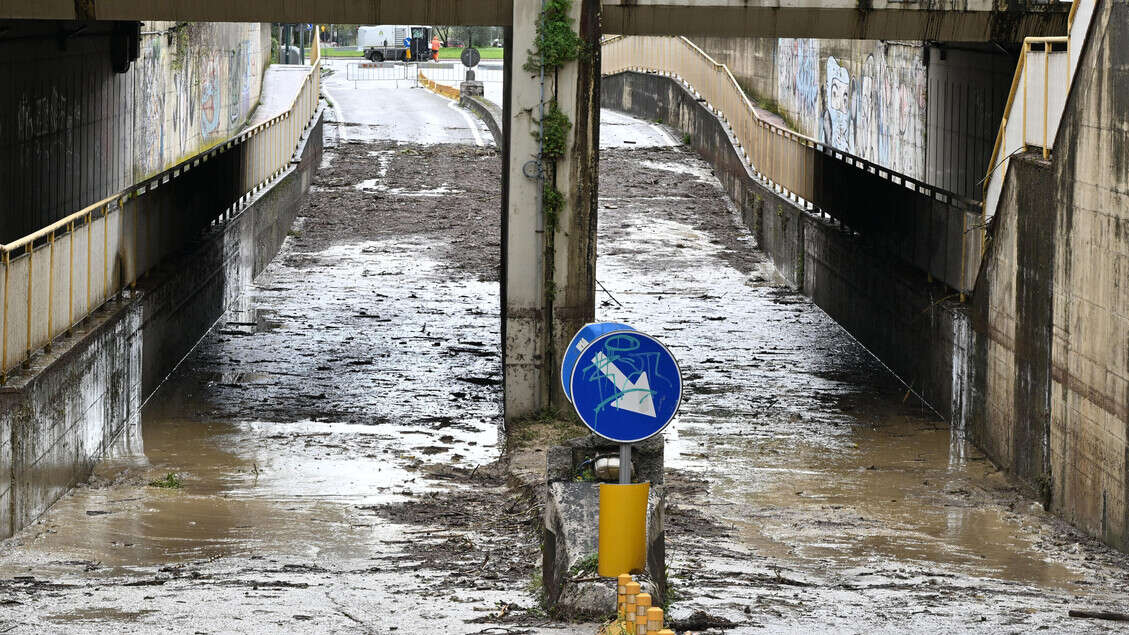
x: 797, y: 79
x: 870, y: 100
x: 191, y: 90
x: 209, y: 100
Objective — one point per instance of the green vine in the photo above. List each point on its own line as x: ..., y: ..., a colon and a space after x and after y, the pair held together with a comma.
x: 553, y: 202
x: 179, y: 35
x: 555, y: 45
x: 555, y: 126
x: 556, y: 42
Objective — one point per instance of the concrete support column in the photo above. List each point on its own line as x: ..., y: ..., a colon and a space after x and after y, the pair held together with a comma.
x: 548, y: 281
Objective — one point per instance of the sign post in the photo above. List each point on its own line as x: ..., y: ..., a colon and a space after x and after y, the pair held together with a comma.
x: 626, y: 387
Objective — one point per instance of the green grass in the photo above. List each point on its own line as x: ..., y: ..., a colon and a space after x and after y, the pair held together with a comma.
x: 327, y: 52
x: 488, y: 53
x: 585, y: 566
x: 341, y: 53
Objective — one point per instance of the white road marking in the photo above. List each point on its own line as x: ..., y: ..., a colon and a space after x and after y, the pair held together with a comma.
x: 341, y: 134
x: 472, y: 124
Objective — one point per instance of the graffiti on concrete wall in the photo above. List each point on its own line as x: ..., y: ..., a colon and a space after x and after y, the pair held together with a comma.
x: 837, y: 123
x: 797, y: 79
x: 889, y: 109
x: 869, y: 98
x: 192, y: 89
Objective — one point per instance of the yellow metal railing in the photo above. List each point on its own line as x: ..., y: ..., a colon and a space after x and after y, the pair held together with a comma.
x: 794, y: 165
x: 55, y: 277
x: 1037, y: 99
x: 784, y: 158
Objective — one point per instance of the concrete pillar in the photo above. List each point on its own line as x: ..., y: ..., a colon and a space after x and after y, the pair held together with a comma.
x: 548, y: 281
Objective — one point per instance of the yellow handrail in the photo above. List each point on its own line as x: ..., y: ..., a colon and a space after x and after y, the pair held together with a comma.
x: 132, y: 233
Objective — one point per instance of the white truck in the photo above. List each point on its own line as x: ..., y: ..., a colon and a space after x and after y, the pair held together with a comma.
x: 394, y: 42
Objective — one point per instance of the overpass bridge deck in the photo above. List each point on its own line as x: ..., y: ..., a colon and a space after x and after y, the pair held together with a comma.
x: 978, y: 20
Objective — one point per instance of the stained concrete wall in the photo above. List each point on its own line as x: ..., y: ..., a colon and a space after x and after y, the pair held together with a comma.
x: 1035, y: 369
x: 1052, y: 303
x: 72, y: 131
x: 1089, y: 440
x: 58, y: 418
x: 928, y: 112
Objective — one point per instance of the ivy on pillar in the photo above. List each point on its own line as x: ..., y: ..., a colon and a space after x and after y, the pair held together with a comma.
x: 550, y: 217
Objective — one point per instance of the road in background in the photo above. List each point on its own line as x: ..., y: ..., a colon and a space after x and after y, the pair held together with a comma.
x: 395, y: 108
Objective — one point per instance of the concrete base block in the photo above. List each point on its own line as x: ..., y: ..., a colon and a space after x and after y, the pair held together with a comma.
x: 571, y: 537
x: 477, y: 89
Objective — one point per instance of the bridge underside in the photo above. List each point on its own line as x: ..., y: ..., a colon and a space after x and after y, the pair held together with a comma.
x: 948, y: 20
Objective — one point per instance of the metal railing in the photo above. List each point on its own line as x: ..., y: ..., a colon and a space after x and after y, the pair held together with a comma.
x: 55, y: 277
x: 783, y: 157
x: 1037, y: 99
x: 931, y: 228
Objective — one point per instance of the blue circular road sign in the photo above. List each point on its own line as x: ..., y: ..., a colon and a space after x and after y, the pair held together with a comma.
x: 588, y: 333
x: 626, y: 386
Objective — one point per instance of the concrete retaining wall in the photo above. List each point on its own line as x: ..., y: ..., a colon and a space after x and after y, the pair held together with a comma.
x: 73, y: 131
x: 889, y: 307
x: 1052, y: 405
x: 1035, y: 370
x: 928, y: 111
x: 59, y: 418
x: 486, y: 110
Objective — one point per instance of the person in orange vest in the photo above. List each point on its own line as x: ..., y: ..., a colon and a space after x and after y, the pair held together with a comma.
x: 435, y: 48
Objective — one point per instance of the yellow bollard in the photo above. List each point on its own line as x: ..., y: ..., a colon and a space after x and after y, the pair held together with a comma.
x: 642, y: 605
x: 621, y: 591
x: 623, y: 528
x: 632, y: 589
x: 665, y: 631
x: 654, y: 621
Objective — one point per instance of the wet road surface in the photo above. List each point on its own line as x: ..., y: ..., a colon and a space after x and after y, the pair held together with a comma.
x: 335, y: 437
x: 388, y: 104
x: 810, y: 489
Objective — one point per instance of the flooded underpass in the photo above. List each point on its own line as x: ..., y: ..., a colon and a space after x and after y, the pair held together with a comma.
x: 810, y: 488
x: 329, y: 458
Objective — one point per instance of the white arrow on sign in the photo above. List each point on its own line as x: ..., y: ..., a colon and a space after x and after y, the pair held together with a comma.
x: 635, y: 397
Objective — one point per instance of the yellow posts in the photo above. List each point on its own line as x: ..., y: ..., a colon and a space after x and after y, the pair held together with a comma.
x: 70, y: 278
x: 1046, y: 93
x: 51, y: 290
x: 654, y: 620
x: 105, y: 252
x: 623, y: 528
x: 89, y: 256
x: 642, y: 605
x: 30, y: 295
x: 632, y: 589
x: 4, y: 348
x: 621, y: 593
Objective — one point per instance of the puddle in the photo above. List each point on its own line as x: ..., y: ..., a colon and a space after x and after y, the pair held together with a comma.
x: 364, y: 378
x: 98, y: 614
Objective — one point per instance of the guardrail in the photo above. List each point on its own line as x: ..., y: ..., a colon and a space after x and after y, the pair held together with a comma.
x: 931, y: 228
x: 1035, y: 105
x: 55, y: 277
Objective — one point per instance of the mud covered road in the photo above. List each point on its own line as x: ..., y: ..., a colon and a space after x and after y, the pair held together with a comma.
x: 338, y: 462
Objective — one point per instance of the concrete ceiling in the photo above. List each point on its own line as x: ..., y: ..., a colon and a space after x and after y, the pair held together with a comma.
x: 945, y: 20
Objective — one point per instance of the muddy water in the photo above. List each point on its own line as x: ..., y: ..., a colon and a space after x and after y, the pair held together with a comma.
x: 830, y: 484
x: 333, y: 435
